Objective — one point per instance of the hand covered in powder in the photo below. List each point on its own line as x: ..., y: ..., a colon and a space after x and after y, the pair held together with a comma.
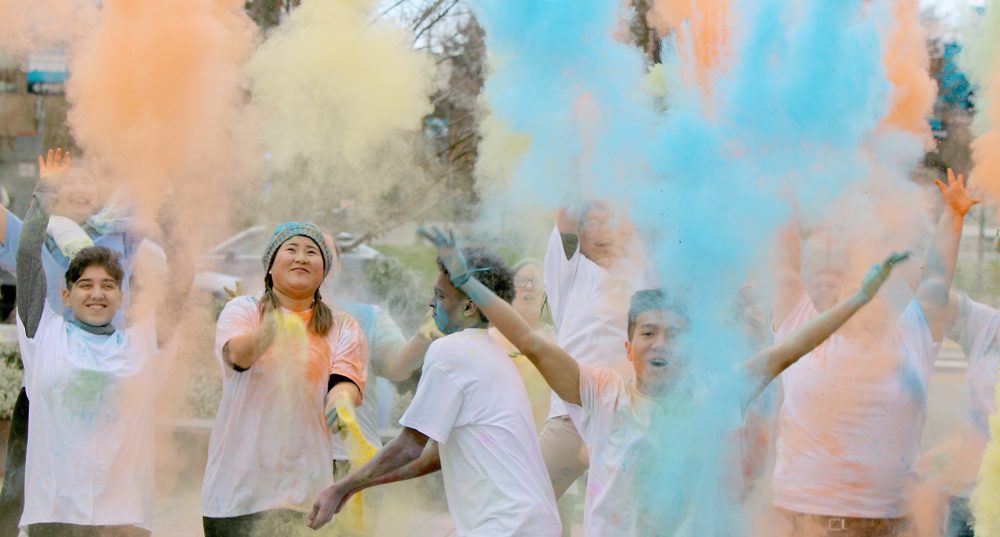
x: 329, y: 503
x: 448, y: 252
x: 53, y: 164
x: 268, y: 330
x: 879, y: 273
x: 956, y: 193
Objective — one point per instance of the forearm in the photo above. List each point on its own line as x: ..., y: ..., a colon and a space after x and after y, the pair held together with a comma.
x: 347, y: 390
x: 767, y: 364
x: 942, y: 256
x: 394, y: 457
x: 560, y: 371
x: 402, y: 362
x: 243, y: 351
x: 31, y: 284
x: 428, y: 463
x: 569, y: 232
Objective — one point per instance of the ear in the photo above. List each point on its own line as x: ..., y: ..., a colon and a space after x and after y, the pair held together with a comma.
x: 65, y: 297
x: 470, y: 309
x: 628, y: 350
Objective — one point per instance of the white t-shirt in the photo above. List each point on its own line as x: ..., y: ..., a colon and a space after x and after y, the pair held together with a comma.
x: 977, y: 329
x: 590, y: 309
x: 852, y: 418
x: 91, y: 451
x: 471, y: 401
x: 270, y: 446
x: 614, y: 421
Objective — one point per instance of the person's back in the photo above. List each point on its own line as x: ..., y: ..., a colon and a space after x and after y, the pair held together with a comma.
x: 493, y: 472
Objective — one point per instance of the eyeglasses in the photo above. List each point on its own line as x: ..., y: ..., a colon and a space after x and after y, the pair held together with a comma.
x: 524, y: 282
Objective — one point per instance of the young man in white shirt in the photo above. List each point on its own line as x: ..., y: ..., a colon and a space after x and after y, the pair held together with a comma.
x: 612, y: 414
x: 591, y: 270
x: 854, y: 408
x: 471, y: 405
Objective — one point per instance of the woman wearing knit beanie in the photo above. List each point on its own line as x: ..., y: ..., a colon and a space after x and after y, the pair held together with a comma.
x: 285, y: 356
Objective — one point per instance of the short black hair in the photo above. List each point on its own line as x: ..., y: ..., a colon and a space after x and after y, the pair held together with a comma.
x: 90, y: 256
x: 497, y: 278
x: 648, y: 300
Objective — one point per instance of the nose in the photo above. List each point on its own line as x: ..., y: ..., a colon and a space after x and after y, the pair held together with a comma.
x: 659, y: 341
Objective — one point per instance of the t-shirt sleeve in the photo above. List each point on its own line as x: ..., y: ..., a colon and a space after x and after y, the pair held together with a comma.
x: 560, y: 274
x: 350, y: 352
x: 916, y: 333
x: 11, y: 238
x: 49, y: 322
x: 240, y: 316
x: 599, y: 390
x: 975, y: 327
x: 437, y: 402
x: 386, y: 339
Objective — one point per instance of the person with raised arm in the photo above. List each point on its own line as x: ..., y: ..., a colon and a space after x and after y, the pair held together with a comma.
x: 77, y: 220
x: 470, y: 417
x: 611, y: 412
x: 854, y: 408
x: 90, y: 456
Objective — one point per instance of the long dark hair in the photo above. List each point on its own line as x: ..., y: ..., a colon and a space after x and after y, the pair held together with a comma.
x: 322, y: 317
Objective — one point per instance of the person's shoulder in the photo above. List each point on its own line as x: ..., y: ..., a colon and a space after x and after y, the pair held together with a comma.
x: 453, y: 347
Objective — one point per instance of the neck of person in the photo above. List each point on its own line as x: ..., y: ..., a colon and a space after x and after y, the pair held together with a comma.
x: 533, y: 319
x: 293, y: 301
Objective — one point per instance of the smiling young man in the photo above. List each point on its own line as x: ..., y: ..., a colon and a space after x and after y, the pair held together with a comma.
x: 90, y: 456
x: 471, y: 403
x: 77, y: 200
x: 612, y: 414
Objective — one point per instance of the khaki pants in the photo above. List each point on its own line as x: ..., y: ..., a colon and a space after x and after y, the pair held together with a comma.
x: 564, y: 453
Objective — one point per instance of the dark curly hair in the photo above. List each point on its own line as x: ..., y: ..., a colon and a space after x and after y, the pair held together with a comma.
x: 498, y: 278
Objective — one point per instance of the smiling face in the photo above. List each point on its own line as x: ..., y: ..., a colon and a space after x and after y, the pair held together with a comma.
x: 651, y: 349
x: 297, y: 269
x: 94, y: 297
x: 78, y: 197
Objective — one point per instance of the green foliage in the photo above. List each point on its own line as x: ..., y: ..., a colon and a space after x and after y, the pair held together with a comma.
x: 11, y: 379
x: 400, y: 290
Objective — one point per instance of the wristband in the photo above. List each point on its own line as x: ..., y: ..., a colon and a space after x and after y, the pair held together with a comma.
x: 464, y: 278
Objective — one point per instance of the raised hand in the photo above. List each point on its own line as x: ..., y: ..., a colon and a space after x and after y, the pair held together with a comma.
x: 267, y: 332
x: 879, y: 273
x: 53, y: 164
x: 448, y: 252
x: 956, y: 193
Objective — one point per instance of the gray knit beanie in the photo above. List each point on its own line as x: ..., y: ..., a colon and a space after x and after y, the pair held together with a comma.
x: 294, y: 229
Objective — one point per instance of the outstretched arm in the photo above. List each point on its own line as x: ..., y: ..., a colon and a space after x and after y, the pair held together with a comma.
x: 559, y: 369
x: 939, y: 265
x: 569, y: 230
x: 31, y: 285
x: 397, y: 454
x: 767, y: 364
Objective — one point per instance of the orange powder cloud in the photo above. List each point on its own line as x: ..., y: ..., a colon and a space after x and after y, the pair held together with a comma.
x: 156, y: 94
x: 702, y: 31
x: 907, y: 63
